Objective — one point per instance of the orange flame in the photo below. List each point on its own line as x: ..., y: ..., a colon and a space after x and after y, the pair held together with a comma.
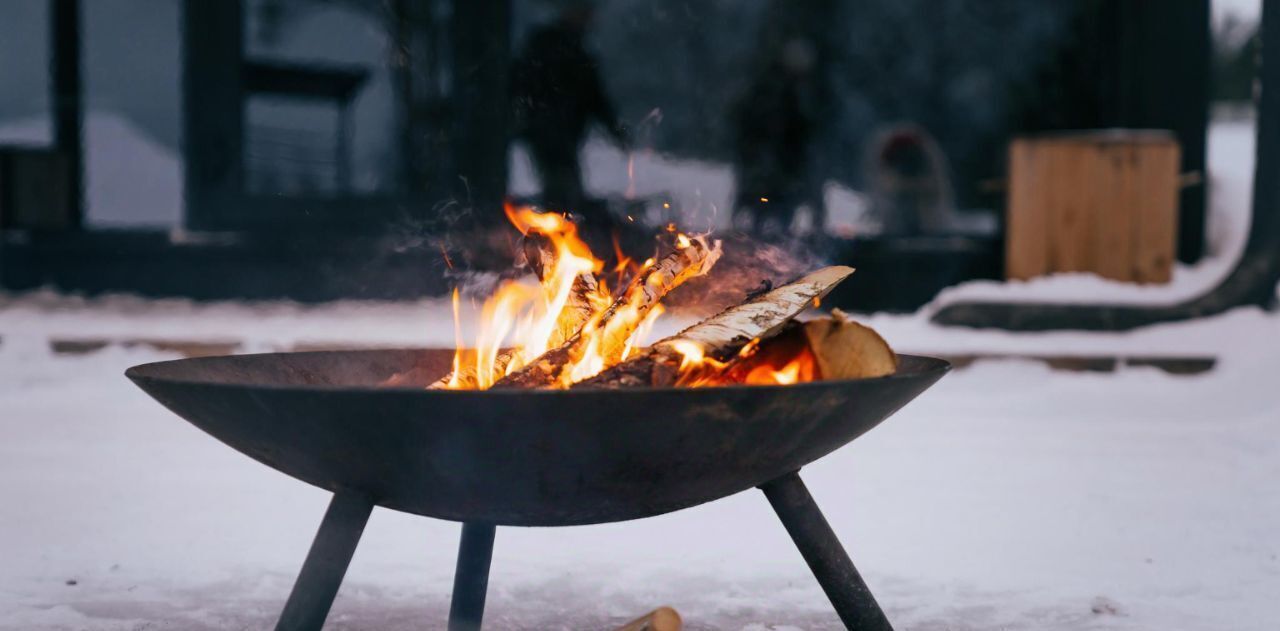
x: 642, y: 331
x: 454, y: 376
x: 625, y: 263
x: 802, y: 367
x: 788, y: 360
x: 528, y: 319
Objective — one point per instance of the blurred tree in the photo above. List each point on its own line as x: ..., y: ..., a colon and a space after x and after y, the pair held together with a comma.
x: 1236, y: 50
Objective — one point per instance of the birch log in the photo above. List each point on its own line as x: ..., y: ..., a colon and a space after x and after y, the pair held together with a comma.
x: 721, y: 337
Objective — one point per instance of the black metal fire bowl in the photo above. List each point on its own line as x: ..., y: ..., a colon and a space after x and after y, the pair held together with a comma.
x: 524, y: 457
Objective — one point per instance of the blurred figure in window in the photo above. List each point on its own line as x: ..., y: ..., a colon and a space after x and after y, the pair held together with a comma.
x: 774, y: 125
x: 910, y: 189
x: 557, y: 93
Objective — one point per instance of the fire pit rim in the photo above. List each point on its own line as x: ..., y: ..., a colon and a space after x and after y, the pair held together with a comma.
x: 930, y: 365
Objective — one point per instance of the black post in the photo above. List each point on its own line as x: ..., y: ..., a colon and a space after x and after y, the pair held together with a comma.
x: 402, y: 66
x: 212, y: 108
x: 471, y: 578
x: 821, y: 549
x: 342, y: 159
x: 481, y: 59
x: 326, y: 563
x: 1163, y: 52
x: 68, y: 102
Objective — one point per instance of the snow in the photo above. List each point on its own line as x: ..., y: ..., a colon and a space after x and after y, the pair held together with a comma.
x: 1245, y: 10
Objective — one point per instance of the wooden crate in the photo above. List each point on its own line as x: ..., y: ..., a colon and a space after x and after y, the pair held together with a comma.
x: 1100, y: 201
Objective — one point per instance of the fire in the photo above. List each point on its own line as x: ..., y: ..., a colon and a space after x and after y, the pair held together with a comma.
x: 642, y: 331
x: 800, y: 368
x: 784, y: 364
x: 457, y: 344
x: 570, y: 301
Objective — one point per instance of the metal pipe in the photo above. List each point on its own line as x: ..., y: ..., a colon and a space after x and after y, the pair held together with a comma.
x: 326, y: 563
x: 68, y: 100
x: 471, y: 578
x: 821, y: 549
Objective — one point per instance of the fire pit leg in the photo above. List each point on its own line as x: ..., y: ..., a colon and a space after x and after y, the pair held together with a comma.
x: 821, y: 549
x: 326, y: 563
x: 471, y: 578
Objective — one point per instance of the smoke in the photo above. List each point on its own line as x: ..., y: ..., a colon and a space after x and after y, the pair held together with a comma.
x: 746, y: 265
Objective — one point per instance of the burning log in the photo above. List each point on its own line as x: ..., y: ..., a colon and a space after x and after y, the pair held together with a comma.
x: 584, y: 294
x: 706, y: 350
x: 834, y: 347
x: 602, y: 342
x: 573, y: 316
x: 581, y: 303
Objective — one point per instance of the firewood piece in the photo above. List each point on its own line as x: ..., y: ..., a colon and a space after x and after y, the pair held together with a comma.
x: 845, y: 349
x: 575, y: 313
x: 660, y: 619
x: 722, y: 336
x: 833, y: 347
x: 467, y: 378
x: 770, y: 359
x: 607, y: 336
x: 585, y: 291
x: 577, y: 310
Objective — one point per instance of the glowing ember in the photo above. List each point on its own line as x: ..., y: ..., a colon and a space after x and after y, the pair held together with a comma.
x: 789, y: 360
x: 802, y: 367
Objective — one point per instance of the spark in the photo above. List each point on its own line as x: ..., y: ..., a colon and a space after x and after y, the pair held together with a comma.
x: 631, y: 175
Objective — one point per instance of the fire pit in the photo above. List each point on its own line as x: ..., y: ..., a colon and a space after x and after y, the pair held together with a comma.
x: 575, y: 423
x: 525, y: 457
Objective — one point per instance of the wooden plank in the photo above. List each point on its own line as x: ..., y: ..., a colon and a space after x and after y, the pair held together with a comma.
x: 1111, y: 190
x: 1072, y: 212
x: 1156, y: 214
x: 1026, y: 242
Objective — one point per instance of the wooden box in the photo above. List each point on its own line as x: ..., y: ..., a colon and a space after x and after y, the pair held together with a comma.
x: 1099, y: 201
